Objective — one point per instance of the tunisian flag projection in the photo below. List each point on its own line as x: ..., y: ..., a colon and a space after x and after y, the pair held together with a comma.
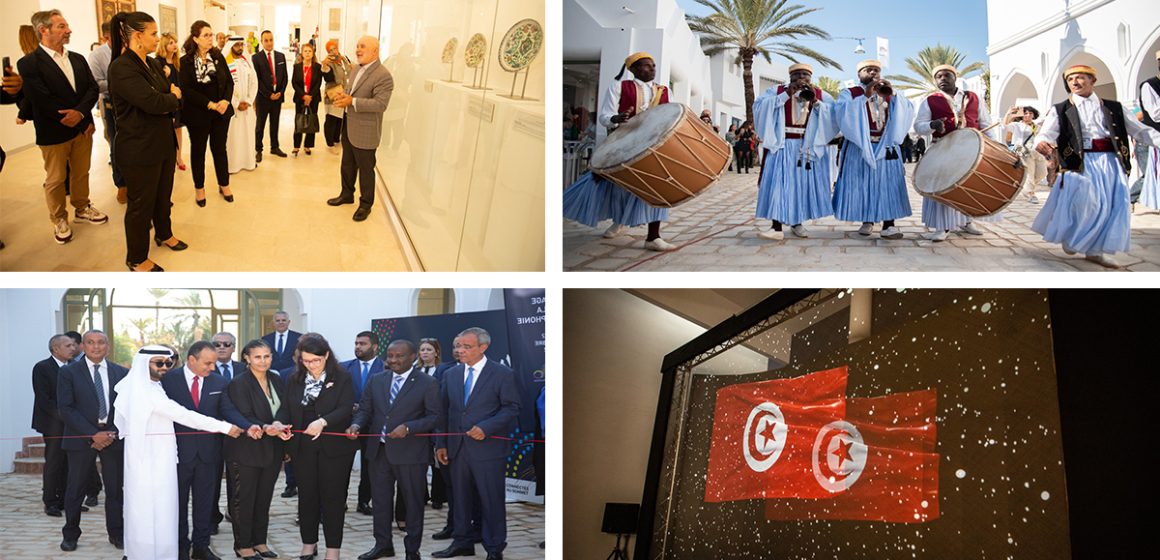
x: 763, y: 433
x: 878, y: 464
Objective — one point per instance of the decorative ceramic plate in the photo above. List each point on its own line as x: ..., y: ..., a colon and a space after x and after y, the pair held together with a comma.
x: 475, y: 51
x: 520, y: 45
x: 449, y: 49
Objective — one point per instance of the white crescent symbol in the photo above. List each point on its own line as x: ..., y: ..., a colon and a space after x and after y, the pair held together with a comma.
x: 829, y: 437
x: 761, y: 457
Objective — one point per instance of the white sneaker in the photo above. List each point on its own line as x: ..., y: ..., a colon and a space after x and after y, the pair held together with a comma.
x: 940, y: 235
x: 866, y: 229
x: 1033, y: 199
x: 62, y: 232
x: 970, y: 229
x: 891, y: 232
x: 800, y: 231
x: 614, y: 230
x: 1103, y: 260
x: 659, y: 245
x: 771, y: 234
x: 91, y: 214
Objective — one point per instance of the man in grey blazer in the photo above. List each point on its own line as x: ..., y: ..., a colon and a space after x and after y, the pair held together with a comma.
x: 364, y: 99
x: 398, y: 405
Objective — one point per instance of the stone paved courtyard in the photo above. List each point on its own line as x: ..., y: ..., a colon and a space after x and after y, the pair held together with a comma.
x: 27, y: 534
x: 717, y: 232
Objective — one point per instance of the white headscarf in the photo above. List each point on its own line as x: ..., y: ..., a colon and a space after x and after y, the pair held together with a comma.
x: 134, y: 407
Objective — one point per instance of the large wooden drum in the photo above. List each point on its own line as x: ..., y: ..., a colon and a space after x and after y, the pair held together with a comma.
x: 970, y: 172
x: 664, y: 155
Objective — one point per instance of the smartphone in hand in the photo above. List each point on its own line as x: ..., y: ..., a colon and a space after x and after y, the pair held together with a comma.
x: 6, y: 66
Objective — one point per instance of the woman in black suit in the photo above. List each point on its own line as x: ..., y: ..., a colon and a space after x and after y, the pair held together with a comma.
x: 209, y: 87
x: 307, y: 82
x: 144, y: 100
x: 320, y: 397
x: 254, y: 462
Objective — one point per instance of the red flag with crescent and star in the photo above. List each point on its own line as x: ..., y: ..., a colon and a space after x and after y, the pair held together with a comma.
x: 878, y: 464
x: 763, y: 433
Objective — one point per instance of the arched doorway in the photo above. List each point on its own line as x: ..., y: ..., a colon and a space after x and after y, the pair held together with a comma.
x: 1145, y: 65
x: 1018, y: 90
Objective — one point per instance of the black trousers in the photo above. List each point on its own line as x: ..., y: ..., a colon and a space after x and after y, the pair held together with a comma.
x: 217, y: 494
x: 309, y: 137
x: 150, y: 188
x: 331, y: 130
x: 274, y: 111
x: 364, y: 474
x: 213, y: 130
x: 438, y: 486
x: 79, y: 477
x: 360, y: 164
x: 111, y: 133
x: 322, y: 489
x: 479, y: 481
x: 196, y: 479
x: 55, y: 473
x: 253, y: 490
x: 476, y: 529
x: 412, y: 483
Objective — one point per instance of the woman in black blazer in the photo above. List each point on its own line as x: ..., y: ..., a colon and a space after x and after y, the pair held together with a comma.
x: 145, y: 101
x: 307, y: 82
x: 254, y: 461
x: 320, y: 397
x: 209, y: 87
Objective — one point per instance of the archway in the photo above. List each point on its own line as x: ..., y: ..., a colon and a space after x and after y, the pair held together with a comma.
x: 1145, y: 65
x: 1018, y: 90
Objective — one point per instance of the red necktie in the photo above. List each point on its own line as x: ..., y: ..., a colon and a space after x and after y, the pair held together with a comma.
x: 273, y: 76
x: 194, y: 393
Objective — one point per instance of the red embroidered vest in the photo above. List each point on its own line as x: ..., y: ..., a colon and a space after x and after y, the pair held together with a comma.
x: 855, y: 93
x: 628, y: 99
x: 789, y: 124
x: 940, y: 108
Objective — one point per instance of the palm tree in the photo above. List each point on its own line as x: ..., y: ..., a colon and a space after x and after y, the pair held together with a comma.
x: 757, y: 27
x: 928, y: 59
x: 829, y: 85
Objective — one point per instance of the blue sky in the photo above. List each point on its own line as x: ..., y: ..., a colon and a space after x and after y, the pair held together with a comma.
x: 909, y: 26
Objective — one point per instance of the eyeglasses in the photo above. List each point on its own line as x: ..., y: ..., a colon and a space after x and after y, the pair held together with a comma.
x: 223, y: 344
x: 312, y: 361
x: 163, y: 363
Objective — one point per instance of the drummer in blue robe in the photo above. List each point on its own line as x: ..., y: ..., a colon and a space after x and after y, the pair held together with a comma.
x: 871, y: 184
x: 1089, y: 210
x: 592, y: 198
x: 941, y: 113
x: 794, y: 185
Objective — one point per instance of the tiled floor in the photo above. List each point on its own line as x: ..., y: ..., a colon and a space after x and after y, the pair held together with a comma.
x: 27, y: 534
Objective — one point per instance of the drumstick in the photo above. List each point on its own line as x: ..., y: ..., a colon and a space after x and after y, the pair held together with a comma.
x: 984, y: 131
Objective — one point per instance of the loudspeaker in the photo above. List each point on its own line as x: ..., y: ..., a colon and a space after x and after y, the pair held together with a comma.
x: 620, y: 519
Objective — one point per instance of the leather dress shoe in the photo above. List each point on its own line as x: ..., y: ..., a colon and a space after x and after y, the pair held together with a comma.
x: 52, y: 511
x: 258, y: 157
x: 412, y: 556
x: 277, y: 152
x: 362, y: 213
x: 339, y: 201
x: 214, y: 530
x: 120, y: 543
x: 451, y: 551
x: 290, y: 492
x: 436, y: 505
x: 366, y: 509
x: 494, y: 556
x: 442, y: 535
x: 68, y: 546
x: 377, y: 552
x: 91, y: 501
x: 84, y: 508
x: 268, y: 553
x: 179, y: 246
x: 203, y: 554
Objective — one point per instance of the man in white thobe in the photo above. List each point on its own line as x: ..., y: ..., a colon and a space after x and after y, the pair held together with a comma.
x: 240, y: 141
x: 144, y: 419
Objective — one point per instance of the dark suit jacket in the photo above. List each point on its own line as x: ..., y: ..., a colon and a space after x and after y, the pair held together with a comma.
x: 214, y: 402
x: 194, y: 109
x: 249, y: 399
x: 416, y: 405
x: 335, y: 403
x: 441, y: 370
x: 283, y: 362
x: 494, y: 406
x: 236, y: 369
x: 47, y: 91
x: 45, y: 415
x: 143, y: 107
x: 76, y: 398
x: 262, y: 67
x: 354, y: 368
x: 315, y: 91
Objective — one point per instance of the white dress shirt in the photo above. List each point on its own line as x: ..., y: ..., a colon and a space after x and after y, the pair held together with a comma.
x: 104, y: 384
x: 1150, y: 100
x: 189, y: 375
x: 923, y: 118
x: 477, y: 369
x: 610, y: 107
x: 61, y: 60
x: 1021, y: 131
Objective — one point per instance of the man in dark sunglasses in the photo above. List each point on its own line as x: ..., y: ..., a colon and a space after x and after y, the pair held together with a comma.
x: 224, y: 344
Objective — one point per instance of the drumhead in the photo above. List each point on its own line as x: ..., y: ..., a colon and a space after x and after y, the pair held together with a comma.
x: 633, y: 138
x: 948, y: 161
